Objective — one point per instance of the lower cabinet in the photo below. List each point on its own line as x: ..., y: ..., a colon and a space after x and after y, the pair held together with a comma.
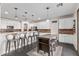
x: 66, y: 38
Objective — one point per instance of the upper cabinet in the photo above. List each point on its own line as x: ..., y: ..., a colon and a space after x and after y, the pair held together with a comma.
x: 66, y: 23
x: 67, y: 26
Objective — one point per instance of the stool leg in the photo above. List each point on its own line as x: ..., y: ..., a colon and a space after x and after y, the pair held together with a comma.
x: 34, y: 38
x: 9, y: 47
x: 6, y: 46
x: 24, y: 42
x: 31, y: 42
x: 52, y: 50
x: 18, y: 41
x: 15, y: 45
x: 27, y: 42
x: 21, y: 42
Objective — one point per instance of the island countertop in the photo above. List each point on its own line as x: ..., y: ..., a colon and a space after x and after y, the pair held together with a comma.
x: 51, y: 36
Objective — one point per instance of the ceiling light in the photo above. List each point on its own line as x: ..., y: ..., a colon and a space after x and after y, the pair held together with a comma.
x: 16, y: 18
x: 39, y: 18
x: 25, y: 12
x: 6, y: 12
x: 47, y: 20
x: 47, y: 8
x: 59, y: 4
x: 32, y: 15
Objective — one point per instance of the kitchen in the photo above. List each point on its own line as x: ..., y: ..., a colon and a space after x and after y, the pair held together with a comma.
x: 55, y: 19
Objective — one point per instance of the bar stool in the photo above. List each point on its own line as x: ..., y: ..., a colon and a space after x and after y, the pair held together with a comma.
x: 22, y: 38
x: 26, y: 37
x: 53, y: 45
x: 10, y: 39
x: 31, y: 36
x: 36, y: 34
x: 17, y: 39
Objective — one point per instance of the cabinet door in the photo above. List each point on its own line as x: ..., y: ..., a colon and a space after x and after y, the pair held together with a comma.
x: 66, y: 38
x: 66, y: 23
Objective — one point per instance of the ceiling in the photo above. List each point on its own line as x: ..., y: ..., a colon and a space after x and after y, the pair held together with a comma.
x: 36, y: 9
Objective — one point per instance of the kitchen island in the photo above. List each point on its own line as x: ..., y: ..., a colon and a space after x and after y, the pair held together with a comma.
x: 45, y: 43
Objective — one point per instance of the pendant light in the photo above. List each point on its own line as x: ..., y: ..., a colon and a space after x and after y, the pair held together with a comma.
x: 47, y: 8
x: 16, y: 17
x: 26, y: 15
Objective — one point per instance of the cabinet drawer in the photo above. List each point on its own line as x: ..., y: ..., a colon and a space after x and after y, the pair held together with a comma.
x: 44, y: 40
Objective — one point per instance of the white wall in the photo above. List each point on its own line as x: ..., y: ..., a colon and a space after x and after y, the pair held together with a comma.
x: 42, y: 25
x: 78, y: 5
x: 6, y: 22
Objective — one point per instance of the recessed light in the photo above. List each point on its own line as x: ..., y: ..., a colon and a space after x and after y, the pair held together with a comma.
x: 32, y: 15
x: 47, y: 8
x: 39, y: 18
x: 25, y: 12
x: 16, y: 18
x: 6, y: 12
x: 47, y: 20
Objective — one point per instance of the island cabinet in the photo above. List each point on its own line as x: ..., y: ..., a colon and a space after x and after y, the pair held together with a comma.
x: 45, y: 44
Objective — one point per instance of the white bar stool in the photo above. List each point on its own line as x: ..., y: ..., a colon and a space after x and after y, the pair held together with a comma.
x: 10, y: 38
x: 22, y: 37
x: 31, y: 36
x: 36, y: 34
x: 17, y: 38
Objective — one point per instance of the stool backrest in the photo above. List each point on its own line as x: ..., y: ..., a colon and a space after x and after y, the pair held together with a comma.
x: 10, y: 37
x: 22, y: 35
x: 31, y: 33
x: 17, y: 36
x: 36, y: 33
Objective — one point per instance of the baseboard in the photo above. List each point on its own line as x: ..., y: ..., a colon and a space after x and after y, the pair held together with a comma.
x: 66, y: 43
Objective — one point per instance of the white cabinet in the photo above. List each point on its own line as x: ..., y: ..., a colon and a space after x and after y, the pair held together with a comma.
x: 66, y: 38
x: 66, y: 23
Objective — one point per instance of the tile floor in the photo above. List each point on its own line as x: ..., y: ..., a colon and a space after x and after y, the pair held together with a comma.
x: 68, y: 50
